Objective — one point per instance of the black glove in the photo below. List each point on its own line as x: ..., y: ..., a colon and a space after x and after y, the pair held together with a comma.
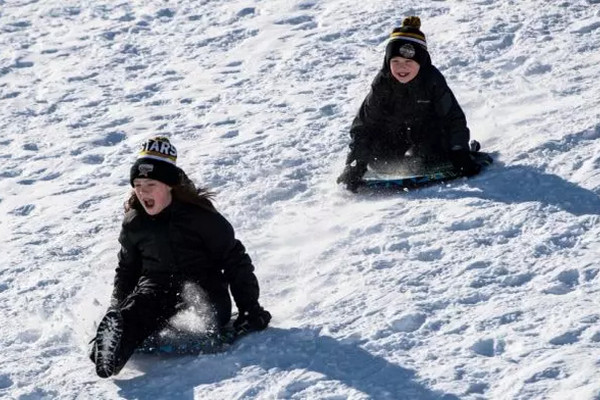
x: 255, y: 319
x: 352, y: 175
x: 474, y: 145
x: 462, y: 161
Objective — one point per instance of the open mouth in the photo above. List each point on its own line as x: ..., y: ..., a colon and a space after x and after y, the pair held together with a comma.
x: 403, y: 74
x: 148, y: 203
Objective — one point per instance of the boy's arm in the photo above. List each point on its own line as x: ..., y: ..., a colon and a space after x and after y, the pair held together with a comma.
x: 455, y: 124
x: 451, y: 114
x: 366, y: 123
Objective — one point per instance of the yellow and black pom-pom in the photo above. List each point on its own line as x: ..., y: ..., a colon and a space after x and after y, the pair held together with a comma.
x: 412, y: 22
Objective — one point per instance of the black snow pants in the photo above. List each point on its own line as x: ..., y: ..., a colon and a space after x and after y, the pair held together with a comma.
x: 148, y: 308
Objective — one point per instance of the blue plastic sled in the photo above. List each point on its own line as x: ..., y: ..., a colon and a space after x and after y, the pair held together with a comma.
x: 413, y: 174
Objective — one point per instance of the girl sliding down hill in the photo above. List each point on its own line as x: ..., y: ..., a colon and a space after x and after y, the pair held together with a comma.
x: 171, y: 235
x: 410, y: 108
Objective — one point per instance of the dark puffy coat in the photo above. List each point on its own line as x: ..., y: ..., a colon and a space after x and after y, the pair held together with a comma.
x: 185, y: 243
x: 422, y: 114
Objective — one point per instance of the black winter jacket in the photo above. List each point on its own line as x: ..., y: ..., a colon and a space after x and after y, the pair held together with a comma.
x: 185, y: 243
x: 422, y: 114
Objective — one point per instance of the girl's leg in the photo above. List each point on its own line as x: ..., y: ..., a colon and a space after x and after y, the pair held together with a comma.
x: 143, y: 312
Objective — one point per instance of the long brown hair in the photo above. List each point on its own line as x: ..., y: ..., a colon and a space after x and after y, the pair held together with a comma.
x: 185, y: 191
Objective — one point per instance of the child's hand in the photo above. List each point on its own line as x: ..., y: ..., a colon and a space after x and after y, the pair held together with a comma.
x: 255, y: 319
x: 352, y: 175
x: 462, y: 161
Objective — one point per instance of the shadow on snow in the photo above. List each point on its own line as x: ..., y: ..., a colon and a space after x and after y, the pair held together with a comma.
x: 280, y: 350
x: 517, y: 184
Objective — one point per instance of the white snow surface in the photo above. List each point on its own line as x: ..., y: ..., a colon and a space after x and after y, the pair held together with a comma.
x: 485, y: 288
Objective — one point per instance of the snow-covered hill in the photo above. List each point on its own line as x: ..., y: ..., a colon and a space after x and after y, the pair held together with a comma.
x: 485, y: 288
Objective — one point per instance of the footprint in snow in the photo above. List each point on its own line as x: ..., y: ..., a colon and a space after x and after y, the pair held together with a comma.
x: 90, y: 202
x: 165, y: 13
x: 516, y: 280
x: 230, y: 134
x: 30, y: 147
x: 409, y: 322
x: 477, y: 388
x: 595, y: 337
x: 23, y: 210
x: 467, y: 225
x: 225, y: 122
x: 509, y: 318
x: 306, y: 5
x: 430, y: 255
x: 591, y: 27
x: 10, y: 172
x: 5, y: 381
x: 474, y: 298
x: 331, y: 37
x: 590, y: 273
x: 488, y: 347
x: 494, y: 43
x: 19, y: 25
x: 38, y: 393
x: 301, y: 19
x: 111, y: 139
x: 569, y: 337
x: 478, y: 265
x: 537, y: 68
x: 328, y: 110
x: 10, y: 95
x: 136, y: 67
x: 93, y: 159
x: 244, y: 12
x: 17, y: 65
x: 116, y: 122
x: 548, y: 373
x: 567, y: 281
x: 80, y: 78
x: 398, y: 246
x: 29, y: 336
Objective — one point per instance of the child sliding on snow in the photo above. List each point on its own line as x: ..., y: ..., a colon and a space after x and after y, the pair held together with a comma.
x: 171, y: 235
x: 410, y: 109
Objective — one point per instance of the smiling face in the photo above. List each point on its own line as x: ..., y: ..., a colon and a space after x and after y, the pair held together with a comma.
x: 154, y: 195
x: 404, y: 69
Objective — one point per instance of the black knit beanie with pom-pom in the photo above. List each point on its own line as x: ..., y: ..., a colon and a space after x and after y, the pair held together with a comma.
x: 409, y: 42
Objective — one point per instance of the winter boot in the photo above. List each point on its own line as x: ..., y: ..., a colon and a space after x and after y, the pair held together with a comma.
x: 107, y: 344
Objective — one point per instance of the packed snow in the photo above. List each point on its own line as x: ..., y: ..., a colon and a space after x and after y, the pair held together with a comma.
x: 482, y: 288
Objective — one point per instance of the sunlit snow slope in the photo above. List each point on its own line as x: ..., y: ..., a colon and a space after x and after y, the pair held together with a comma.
x: 485, y: 288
